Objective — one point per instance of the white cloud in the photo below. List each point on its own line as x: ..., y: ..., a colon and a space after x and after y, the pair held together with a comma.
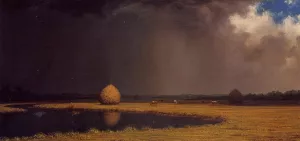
x: 298, y: 17
x: 290, y: 2
x: 277, y: 62
x: 255, y: 25
x: 261, y: 25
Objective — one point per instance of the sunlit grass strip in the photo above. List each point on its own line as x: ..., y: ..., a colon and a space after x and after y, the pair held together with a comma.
x: 148, y: 111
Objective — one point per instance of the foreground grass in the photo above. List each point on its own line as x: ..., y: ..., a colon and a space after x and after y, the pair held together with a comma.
x: 259, y: 123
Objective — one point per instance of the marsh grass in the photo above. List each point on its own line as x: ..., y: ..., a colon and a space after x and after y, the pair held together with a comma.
x: 71, y: 107
x: 4, y: 109
x: 93, y: 130
x: 146, y: 128
x: 129, y: 129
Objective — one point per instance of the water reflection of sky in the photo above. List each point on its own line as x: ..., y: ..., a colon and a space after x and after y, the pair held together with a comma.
x: 280, y: 9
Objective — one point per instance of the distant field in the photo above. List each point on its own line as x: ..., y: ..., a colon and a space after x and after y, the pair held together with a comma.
x: 259, y: 123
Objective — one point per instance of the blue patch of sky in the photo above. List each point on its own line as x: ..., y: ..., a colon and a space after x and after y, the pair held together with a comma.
x: 280, y: 9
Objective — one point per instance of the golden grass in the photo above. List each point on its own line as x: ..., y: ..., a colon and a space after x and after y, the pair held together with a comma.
x: 4, y: 109
x: 257, y: 123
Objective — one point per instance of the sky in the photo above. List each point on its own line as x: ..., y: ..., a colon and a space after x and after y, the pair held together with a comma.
x: 150, y: 47
x: 280, y: 9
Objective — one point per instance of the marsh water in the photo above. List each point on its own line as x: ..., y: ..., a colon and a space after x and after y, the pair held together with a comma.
x: 52, y: 121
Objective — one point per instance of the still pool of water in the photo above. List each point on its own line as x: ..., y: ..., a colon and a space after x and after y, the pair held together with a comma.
x: 51, y: 121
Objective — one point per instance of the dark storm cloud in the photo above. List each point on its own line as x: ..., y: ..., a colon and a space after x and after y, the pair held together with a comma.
x: 142, y: 46
x: 99, y: 7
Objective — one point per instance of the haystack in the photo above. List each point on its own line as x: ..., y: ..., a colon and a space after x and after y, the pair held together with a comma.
x: 235, y: 97
x: 110, y: 95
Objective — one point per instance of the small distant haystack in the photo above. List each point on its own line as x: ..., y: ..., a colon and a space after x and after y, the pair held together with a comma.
x: 110, y: 95
x: 235, y: 97
x: 111, y: 118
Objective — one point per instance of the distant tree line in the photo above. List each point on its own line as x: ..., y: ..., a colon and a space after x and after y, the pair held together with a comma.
x: 274, y: 95
x: 9, y: 93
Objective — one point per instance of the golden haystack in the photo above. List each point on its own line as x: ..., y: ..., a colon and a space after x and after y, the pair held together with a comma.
x: 111, y: 118
x: 235, y: 97
x: 110, y: 95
